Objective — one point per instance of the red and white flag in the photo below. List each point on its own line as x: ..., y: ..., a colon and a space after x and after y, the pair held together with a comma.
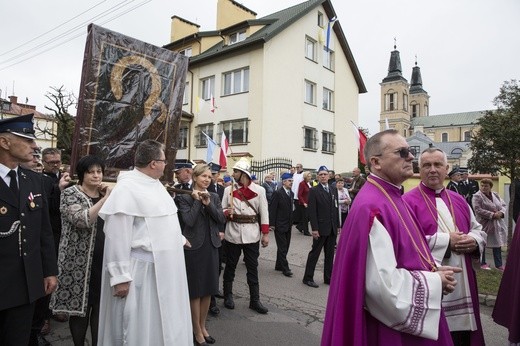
x: 224, y: 147
x: 213, y: 106
x: 362, y: 142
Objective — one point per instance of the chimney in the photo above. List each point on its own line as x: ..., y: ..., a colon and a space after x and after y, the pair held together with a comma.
x: 230, y: 12
x: 181, y: 28
x: 13, y: 100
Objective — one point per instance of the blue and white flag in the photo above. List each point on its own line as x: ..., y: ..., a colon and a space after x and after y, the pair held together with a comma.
x: 211, y: 148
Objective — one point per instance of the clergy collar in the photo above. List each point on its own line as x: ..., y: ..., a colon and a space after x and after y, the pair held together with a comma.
x: 386, y: 181
x: 437, y: 192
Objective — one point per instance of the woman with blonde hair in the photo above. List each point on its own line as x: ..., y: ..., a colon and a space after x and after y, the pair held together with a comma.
x: 203, y: 218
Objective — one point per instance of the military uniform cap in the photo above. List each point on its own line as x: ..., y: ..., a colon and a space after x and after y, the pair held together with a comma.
x: 182, y: 163
x: 21, y: 126
x: 453, y: 172
x: 215, y: 168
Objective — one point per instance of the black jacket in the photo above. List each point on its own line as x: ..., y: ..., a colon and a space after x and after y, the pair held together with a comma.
x: 22, y: 274
x: 195, y: 217
x: 323, y: 210
x: 280, y: 211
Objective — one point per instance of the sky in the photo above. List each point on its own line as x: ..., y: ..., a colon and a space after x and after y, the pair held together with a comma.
x: 466, y: 49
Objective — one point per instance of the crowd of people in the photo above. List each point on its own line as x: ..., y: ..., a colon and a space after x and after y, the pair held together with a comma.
x: 140, y: 263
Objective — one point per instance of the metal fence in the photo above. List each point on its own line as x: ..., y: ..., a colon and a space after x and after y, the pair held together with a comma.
x: 278, y: 165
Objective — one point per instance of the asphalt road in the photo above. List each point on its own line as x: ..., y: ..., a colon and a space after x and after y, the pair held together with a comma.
x: 295, y: 313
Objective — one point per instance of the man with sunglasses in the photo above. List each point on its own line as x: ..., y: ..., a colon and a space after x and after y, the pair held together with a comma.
x: 386, y: 288
x: 455, y: 239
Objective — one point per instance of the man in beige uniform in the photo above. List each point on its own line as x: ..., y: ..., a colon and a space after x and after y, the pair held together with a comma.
x: 245, y: 205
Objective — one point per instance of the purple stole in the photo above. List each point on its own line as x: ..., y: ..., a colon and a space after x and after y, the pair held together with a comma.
x: 462, y: 211
x: 347, y: 322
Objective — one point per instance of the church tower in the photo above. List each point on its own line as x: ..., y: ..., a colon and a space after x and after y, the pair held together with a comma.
x: 394, y: 97
x: 419, y: 98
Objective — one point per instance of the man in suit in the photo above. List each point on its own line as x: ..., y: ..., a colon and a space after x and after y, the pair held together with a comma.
x: 280, y: 221
x: 357, y: 183
x: 469, y: 186
x: 324, y: 217
x: 455, y: 178
x: 214, y: 186
x: 183, y: 170
x: 27, y: 255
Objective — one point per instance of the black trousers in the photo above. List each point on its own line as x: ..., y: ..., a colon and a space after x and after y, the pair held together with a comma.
x: 323, y: 242
x: 251, y: 253
x: 15, y: 325
x: 283, y: 241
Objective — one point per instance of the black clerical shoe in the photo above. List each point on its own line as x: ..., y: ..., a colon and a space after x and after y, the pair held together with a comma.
x: 258, y: 307
x: 288, y: 273
x: 310, y: 283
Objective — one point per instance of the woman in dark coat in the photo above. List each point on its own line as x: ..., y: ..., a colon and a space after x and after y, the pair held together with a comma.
x: 203, y: 217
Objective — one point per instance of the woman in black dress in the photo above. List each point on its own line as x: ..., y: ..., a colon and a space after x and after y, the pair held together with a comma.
x: 203, y: 217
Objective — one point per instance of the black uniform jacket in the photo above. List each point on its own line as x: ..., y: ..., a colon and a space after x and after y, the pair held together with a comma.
x: 26, y: 258
x: 323, y: 210
x: 280, y: 211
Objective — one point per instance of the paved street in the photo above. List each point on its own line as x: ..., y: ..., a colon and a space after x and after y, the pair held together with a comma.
x: 295, y: 311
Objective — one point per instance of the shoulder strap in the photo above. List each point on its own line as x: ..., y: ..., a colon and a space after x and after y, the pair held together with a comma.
x: 247, y: 202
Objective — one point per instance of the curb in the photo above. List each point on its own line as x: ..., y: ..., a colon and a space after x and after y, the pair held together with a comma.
x: 487, y: 299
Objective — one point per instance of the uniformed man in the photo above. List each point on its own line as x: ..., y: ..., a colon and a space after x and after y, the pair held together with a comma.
x: 27, y: 257
x: 245, y: 206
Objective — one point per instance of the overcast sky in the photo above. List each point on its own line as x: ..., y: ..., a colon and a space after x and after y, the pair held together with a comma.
x: 466, y: 49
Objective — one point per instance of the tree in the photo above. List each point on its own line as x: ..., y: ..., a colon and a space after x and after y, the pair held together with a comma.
x: 61, y: 100
x: 496, y: 142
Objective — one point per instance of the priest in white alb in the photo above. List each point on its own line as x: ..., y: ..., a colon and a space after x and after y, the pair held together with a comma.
x: 455, y: 239
x: 144, y: 294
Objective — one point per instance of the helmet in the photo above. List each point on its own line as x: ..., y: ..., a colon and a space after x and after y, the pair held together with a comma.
x: 243, y: 165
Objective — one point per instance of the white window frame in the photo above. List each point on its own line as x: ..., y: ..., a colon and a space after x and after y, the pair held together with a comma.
x: 231, y: 134
x: 321, y: 21
x: 310, y: 48
x: 236, y: 81
x: 184, y: 132
x: 328, y: 99
x: 186, y: 95
x: 310, y: 92
x: 391, y: 101
x: 207, y: 86
x: 328, y: 142
x: 328, y: 58
x: 200, y: 138
x: 310, y: 140
x: 238, y: 36
x: 186, y: 52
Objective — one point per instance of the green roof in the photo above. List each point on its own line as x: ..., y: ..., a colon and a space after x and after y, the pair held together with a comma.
x: 452, y: 119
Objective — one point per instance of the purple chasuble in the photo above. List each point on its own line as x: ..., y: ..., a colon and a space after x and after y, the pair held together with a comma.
x: 461, y: 209
x: 507, y: 306
x: 347, y: 322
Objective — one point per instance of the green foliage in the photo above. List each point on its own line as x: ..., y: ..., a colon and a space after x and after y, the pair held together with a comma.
x: 496, y: 143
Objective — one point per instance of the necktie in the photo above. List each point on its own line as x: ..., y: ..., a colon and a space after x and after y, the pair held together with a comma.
x: 289, y: 193
x: 13, y: 185
x: 185, y: 186
x: 326, y: 187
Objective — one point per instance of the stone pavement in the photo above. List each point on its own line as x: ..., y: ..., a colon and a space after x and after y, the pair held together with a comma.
x: 295, y: 313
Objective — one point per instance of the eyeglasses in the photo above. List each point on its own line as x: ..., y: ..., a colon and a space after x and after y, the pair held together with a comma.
x: 163, y: 161
x: 404, y: 153
x: 53, y: 163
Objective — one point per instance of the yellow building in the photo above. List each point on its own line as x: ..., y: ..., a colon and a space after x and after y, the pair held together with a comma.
x: 405, y: 107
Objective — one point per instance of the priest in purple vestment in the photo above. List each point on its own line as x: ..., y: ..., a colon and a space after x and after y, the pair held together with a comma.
x: 507, y: 306
x: 386, y: 288
x: 455, y: 239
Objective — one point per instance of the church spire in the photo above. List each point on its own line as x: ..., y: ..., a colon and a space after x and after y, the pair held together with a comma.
x: 394, y: 67
x: 416, y: 82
